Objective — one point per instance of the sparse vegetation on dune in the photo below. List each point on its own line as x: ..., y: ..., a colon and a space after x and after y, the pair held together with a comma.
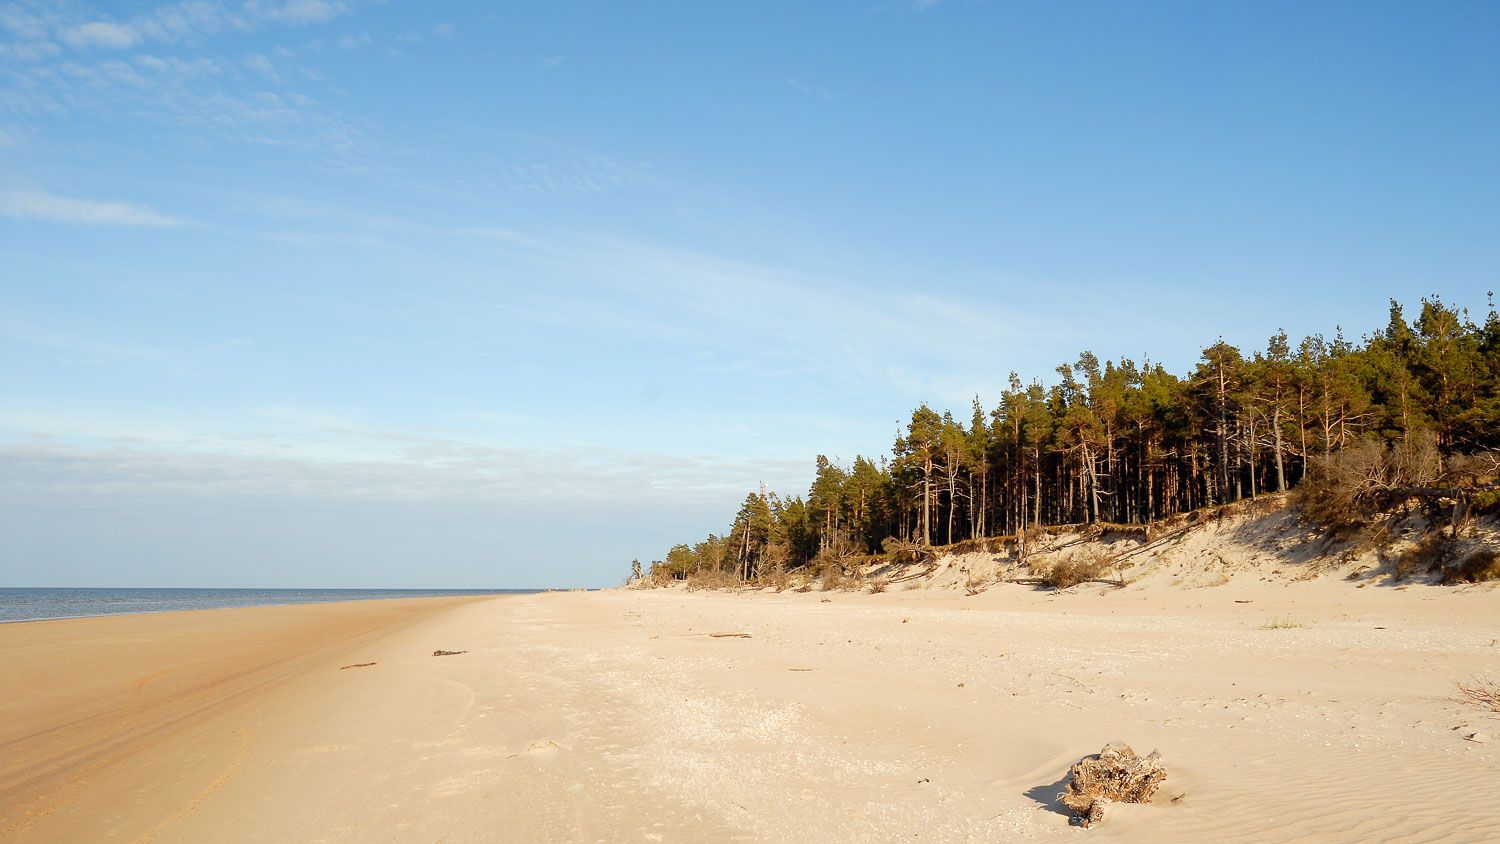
x: 1077, y: 568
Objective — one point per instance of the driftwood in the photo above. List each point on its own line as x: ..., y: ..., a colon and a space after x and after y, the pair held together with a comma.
x: 448, y: 653
x: 931, y: 567
x: 1042, y: 581
x: 356, y: 665
x: 1114, y: 775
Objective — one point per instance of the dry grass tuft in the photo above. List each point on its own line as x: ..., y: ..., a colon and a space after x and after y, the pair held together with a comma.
x: 777, y: 578
x: 1482, y: 692
x: 1114, y: 775
x: 1478, y: 567
x: 1423, y: 557
x: 879, y: 584
x: 1074, y: 569
x: 835, y: 576
x: 712, y: 579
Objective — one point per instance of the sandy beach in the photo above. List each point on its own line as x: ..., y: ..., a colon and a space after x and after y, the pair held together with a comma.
x: 1285, y: 711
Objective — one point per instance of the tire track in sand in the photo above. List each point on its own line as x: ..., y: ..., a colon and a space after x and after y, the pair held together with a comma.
x: 240, y: 755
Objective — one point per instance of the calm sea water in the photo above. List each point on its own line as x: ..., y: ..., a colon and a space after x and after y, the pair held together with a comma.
x: 42, y: 603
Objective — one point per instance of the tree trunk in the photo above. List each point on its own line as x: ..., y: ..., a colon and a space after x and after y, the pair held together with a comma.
x: 1276, y: 426
x: 927, y: 503
x: 1092, y: 477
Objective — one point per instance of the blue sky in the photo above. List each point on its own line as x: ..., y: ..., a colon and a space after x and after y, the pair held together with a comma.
x: 315, y: 293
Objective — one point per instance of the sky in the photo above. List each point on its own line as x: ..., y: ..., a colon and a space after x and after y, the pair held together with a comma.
x: 328, y: 293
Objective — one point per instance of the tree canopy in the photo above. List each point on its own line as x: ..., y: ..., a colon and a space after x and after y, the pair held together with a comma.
x: 1128, y: 442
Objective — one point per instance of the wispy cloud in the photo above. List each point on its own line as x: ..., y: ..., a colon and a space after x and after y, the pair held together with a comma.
x: 781, y: 319
x: 553, y: 61
x: 80, y: 349
x: 102, y: 34
x: 203, y: 98
x: 172, y: 22
x: 313, y: 240
x: 37, y: 205
x: 262, y: 65
x: 809, y: 90
x: 302, y: 453
x: 504, y: 236
x: 586, y: 175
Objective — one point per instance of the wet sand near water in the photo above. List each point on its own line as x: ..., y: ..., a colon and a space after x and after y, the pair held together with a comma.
x: 111, y: 726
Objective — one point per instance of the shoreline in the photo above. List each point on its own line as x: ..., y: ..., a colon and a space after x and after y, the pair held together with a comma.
x: 340, y: 596
x: 620, y: 715
x: 98, y: 697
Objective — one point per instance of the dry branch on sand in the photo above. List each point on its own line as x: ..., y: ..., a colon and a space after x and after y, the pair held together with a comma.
x: 1114, y: 775
x: 1482, y: 692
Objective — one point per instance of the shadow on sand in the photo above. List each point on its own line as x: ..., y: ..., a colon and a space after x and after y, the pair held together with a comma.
x: 1050, y: 796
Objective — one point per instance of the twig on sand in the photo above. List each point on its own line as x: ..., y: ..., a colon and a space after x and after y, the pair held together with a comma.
x: 357, y: 665
x: 1080, y: 683
x: 1482, y: 692
x: 931, y: 567
x: 448, y: 653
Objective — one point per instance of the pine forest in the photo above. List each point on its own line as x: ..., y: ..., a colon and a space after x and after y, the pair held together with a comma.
x: 1130, y: 443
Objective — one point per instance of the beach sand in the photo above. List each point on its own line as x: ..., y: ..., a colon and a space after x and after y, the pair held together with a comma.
x: 618, y: 716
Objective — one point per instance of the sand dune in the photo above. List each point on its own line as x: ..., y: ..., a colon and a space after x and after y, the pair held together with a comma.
x: 919, y: 715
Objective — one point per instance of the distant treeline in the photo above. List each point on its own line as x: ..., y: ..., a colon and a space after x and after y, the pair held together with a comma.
x: 1129, y: 443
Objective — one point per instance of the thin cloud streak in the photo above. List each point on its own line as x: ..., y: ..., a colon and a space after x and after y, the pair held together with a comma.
x: 46, y: 207
x: 181, y: 22
x: 432, y: 470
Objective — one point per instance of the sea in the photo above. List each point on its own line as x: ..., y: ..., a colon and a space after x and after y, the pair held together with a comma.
x: 36, y: 604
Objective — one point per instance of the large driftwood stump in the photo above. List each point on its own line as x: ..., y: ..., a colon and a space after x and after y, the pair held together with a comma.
x: 1114, y: 775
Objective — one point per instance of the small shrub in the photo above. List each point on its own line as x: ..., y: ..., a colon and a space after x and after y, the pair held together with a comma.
x: 1424, y: 557
x: 712, y: 579
x: 1484, y: 503
x: 1480, y: 566
x: 879, y: 584
x: 777, y: 578
x: 831, y: 572
x: 901, y: 552
x: 1073, y: 570
x: 1473, y: 470
x: 1113, y: 532
x: 1346, y: 488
